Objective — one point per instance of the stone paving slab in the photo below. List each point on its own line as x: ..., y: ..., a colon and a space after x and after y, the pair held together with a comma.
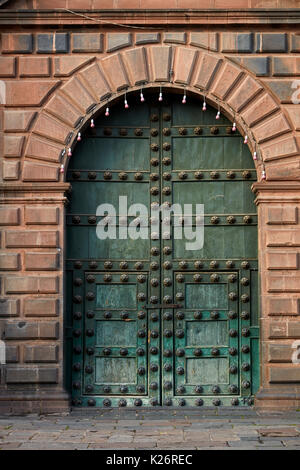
x: 152, y: 429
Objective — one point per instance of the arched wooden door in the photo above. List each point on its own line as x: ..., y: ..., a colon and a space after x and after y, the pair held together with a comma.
x: 152, y: 323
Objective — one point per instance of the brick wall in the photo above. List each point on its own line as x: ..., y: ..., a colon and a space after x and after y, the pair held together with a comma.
x: 52, y: 83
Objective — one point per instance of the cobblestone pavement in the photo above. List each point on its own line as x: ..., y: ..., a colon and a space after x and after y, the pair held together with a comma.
x: 153, y: 429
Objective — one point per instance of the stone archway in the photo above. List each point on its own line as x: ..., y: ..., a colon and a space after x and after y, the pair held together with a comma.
x: 67, y: 107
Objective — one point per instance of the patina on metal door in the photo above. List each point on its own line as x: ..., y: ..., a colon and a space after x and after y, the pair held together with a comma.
x: 149, y: 321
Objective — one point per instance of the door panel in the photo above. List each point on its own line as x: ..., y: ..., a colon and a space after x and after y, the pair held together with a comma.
x: 153, y: 323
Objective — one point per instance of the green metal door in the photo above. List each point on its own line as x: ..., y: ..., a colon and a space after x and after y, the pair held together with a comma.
x: 150, y: 322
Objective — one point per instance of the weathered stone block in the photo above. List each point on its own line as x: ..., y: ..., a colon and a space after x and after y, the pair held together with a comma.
x: 206, y: 71
x: 28, y: 93
x: 13, y: 145
x: 246, y: 91
x: 136, y: 65
x: 279, y: 148
x: 41, y: 353
x: 7, y: 66
x: 271, y: 42
x: 95, y: 81
x: 60, y: 107
x: 43, y: 149
x: 87, y: 42
x: 52, y: 43
x: 205, y: 40
x: 286, y: 66
x: 12, y: 354
x: 282, y: 260
x: 147, y: 38
x: 260, y: 109
x: 41, y: 261
x: 37, y: 307
x: 64, y: 66
x: 226, y: 80
x: 280, y: 353
x: 29, y: 330
x: 117, y: 41
x: 282, y: 283
x: 11, y: 170
x: 9, y: 261
x: 184, y: 64
x: 260, y: 66
x: 46, y: 215
x: 34, y: 66
x: 295, y: 43
x: 32, y: 375
x: 9, y: 307
x: 282, y: 306
x: 282, y: 215
x: 19, y: 43
x: 273, y: 127
x: 161, y: 62
x: 283, y: 89
x: 283, y: 238
x: 176, y: 38
x: 17, y: 121
x: 114, y: 70
x: 285, y: 374
x: 37, y: 172
x: 237, y: 42
x: 31, y: 239
x: 31, y: 285
x: 77, y: 92
x: 9, y: 215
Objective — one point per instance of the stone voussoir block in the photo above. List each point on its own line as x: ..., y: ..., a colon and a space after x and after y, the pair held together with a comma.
x: 13, y: 145
x: 136, y: 65
x: 184, y: 64
x: 226, y: 80
x: 11, y: 170
x: 206, y: 71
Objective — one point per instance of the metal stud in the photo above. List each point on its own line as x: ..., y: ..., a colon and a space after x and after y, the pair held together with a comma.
x: 215, y: 389
x: 91, y: 402
x: 140, y: 351
x: 247, y: 219
x: 154, y: 367
x: 181, y: 402
x: 231, y: 278
x: 245, y: 298
x: 154, y: 132
x: 182, y: 175
x: 138, y: 132
x: 235, y: 402
x: 153, y: 350
x: 183, y: 265
x: 230, y: 175
x: 78, y: 265
x: 245, y: 281
x: 167, y: 250
x: 166, y: 146
x: 198, y: 175
x: 154, y: 147
x: 233, y: 369
x: 245, y: 332
x: 166, y: 117
x: 198, y: 389
x: 231, y: 219
x: 141, y: 315
x: 153, y: 386
x: 166, y: 131
x: 77, y: 349
x: 245, y: 315
x: 92, y: 219
x: 214, y: 130
x: 154, y: 282
x: 107, y: 175
x: 76, y: 385
x: 167, y: 265
x: 89, y: 389
x: 245, y: 265
x: 154, y: 177
x: 199, y: 402
x: 216, y: 402
x: 138, y: 402
x: 180, y: 389
x: 90, y: 296
x: 108, y: 265
x: 179, y: 333
x: 179, y: 278
x: 154, y: 251
x: 180, y: 352
x: 197, y: 352
x: 246, y: 174
x: 107, y: 278
x: 167, y: 190
x: 153, y: 402
x: 77, y: 367
x: 90, y: 279
x: 90, y: 351
x: 213, y: 264
x: 167, y: 353
x: 106, y: 402
x: 215, y: 352
x: 198, y: 315
x: 180, y: 315
x: 154, y: 191
x: 245, y: 349
x: 138, y: 176
x: 168, y: 316
x: 140, y: 388
x: 93, y: 265
x: 179, y: 296
x: 122, y: 403
x: 168, y: 402
x: 245, y: 366
x: 214, y: 315
x: 141, y: 371
x: 76, y: 175
x: 167, y: 385
x: 154, y: 334
x: 182, y: 131
x: 138, y: 266
x: 124, y: 315
x: 214, y: 277
x: 198, y: 131
x: 90, y: 314
x: 153, y: 299
x: 124, y: 278
x: 77, y: 316
x: 246, y: 384
x: 232, y: 333
x: 76, y: 219
x: 166, y: 161
x: 168, y: 367
x: 229, y: 264
x: 107, y: 131
x: 123, y: 389
x: 77, y: 333
x: 231, y: 315
x: 78, y: 281
x: 154, y: 316
x: 89, y: 369
x: 106, y: 351
x: 154, y: 161
x: 167, y: 299
x: 198, y: 264
x: 232, y: 351
x: 232, y: 296
x: 214, y: 220
x: 123, y: 176
x: 141, y: 333
x: 154, y: 266
x: 168, y: 333
x: 197, y: 277
x: 123, y: 265
x: 214, y: 175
